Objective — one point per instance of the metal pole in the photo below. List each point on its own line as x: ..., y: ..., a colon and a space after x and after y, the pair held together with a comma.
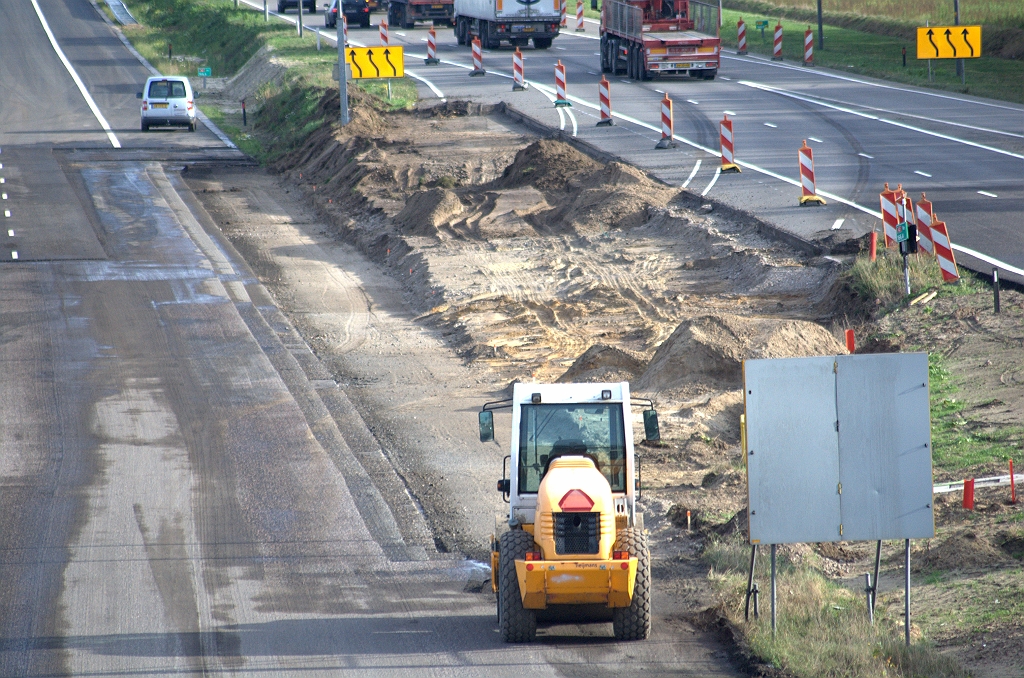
x: 821, y: 34
x: 906, y: 598
x: 773, y: 590
x: 906, y: 274
x: 995, y: 287
x: 750, y: 584
x: 867, y: 593
x: 299, y: 22
x: 342, y: 73
x: 956, y: 22
x: 928, y: 23
x: 317, y: 31
x: 266, y: 10
x: 874, y: 587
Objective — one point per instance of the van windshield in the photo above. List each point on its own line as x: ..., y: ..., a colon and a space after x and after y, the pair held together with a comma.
x: 590, y: 429
x: 167, y: 89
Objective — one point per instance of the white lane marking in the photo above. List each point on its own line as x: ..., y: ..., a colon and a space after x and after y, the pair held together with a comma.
x: 729, y: 112
x: 401, y: 34
x: 894, y: 123
x: 825, y: 74
x: 692, y: 174
x: 592, y: 73
x: 14, y: 254
x: 691, y: 101
x: 438, y: 93
x: 987, y: 259
x: 987, y: 194
x: 561, y: 48
x: 74, y: 76
x: 421, y: 39
x: 561, y: 119
x: 816, y: 140
x: 3, y: 181
x: 10, y: 233
x: 627, y: 82
x: 768, y: 124
x: 597, y: 54
x: 837, y: 225
x: 923, y: 174
x: 580, y: 35
x: 865, y: 155
x: 7, y: 214
x: 718, y: 173
x: 3, y: 196
x: 724, y: 78
x: 659, y: 91
x: 573, y: 118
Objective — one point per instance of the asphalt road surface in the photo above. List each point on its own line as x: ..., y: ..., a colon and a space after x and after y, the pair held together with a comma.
x: 183, y: 489
x: 965, y: 153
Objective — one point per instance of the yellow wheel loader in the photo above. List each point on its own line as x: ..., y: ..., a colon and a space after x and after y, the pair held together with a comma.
x: 573, y: 548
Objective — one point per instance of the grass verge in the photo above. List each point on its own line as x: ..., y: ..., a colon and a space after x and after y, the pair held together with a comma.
x: 822, y: 627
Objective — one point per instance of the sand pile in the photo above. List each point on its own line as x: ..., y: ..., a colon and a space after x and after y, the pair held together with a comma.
x: 425, y: 211
x: 547, y: 165
x: 963, y: 551
x: 710, y: 349
x: 603, y: 363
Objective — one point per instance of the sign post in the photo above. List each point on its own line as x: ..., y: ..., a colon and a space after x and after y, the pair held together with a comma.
x: 342, y: 73
x: 204, y: 73
x: 761, y: 25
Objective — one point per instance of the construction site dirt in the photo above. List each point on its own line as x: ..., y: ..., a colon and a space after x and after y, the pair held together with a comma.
x: 465, y: 252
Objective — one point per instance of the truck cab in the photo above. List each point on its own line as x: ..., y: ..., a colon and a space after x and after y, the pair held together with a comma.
x: 573, y: 545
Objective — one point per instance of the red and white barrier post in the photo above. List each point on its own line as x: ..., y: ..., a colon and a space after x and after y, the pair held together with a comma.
x: 667, y: 125
x: 851, y: 342
x: 807, y: 187
x: 518, y: 79
x: 741, y: 35
x: 561, y: 100
x: 924, y: 223
x: 969, y: 494
x: 808, y: 47
x: 561, y: 12
x: 887, y: 199
x: 725, y: 136
x: 344, y: 29
x: 431, y: 48
x: 478, y: 58
x: 1013, y: 485
x: 579, y: 16
x: 383, y: 33
x: 777, y: 53
x: 605, y: 95
x: 944, y: 251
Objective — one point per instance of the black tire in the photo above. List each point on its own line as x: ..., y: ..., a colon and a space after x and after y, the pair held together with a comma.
x: 460, y: 31
x: 542, y: 43
x: 145, y: 126
x: 193, y: 127
x: 365, y: 21
x: 631, y: 63
x: 516, y: 624
x: 280, y: 8
x: 408, y: 23
x: 634, y: 622
x: 710, y: 74
x: 312, y: 8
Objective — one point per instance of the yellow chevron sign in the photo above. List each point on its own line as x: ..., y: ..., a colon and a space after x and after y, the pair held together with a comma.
x: 375, y: 62
x: 948, y: 42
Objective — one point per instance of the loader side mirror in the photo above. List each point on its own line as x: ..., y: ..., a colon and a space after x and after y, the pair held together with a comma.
x: 651, y: 431
x: 487, y: 426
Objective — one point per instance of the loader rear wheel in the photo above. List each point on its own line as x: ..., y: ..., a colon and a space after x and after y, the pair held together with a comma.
x: 634, y: 622
x: 516, y: 623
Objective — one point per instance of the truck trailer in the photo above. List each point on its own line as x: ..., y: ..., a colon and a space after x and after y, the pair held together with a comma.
x: 512, y: 21
x: 406, y: 13
x: 645, y: 38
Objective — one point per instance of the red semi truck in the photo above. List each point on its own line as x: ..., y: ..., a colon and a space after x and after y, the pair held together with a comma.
x: 646, y: 38
x: 405, y: 13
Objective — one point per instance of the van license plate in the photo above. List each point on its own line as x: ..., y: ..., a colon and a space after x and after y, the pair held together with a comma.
x: 164, y: 105
x: 682, y: 65
x: 437, y: 6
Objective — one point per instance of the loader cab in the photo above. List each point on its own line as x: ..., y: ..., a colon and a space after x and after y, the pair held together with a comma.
x: 560, y: 420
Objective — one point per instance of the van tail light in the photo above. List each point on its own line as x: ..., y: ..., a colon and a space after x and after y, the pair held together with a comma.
x: 620, y: 555
x: 533, y: 555
x: 145, y: 105
x: 191, y: 105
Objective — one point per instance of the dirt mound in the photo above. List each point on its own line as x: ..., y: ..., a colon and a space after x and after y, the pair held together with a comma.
x: 603, y: 363
x: 710, y: 349
x: 425, y: 211
x: 963, y: 551
x: 545, y: 164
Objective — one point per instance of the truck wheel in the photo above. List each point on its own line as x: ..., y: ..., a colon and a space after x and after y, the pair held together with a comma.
x: 631, y: 63
x: 516, y: 623
x: 542, y: 43
x: 365, y: 22
x: 710, y: 74
x: 460, y: 31
x: 634, y: 622
x: 408, y: 23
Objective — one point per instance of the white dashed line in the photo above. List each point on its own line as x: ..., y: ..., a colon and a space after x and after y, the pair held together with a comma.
x: 691, y: 101
x: 768, y: 124
x: 729, y: 112
x: 3, y: 196
x: 838, y: 224
x: 923, y: 174
x: 692, y: 174
x: 865, y: 155
x: 724, y: 78
x: 816, y: 140
x: 10, y: 233
x: 14, y: 254
x: 438, y: 93
x: 718, y: 173
x: 7, y: 213
x: 987, y: 194
x: 401, y: 34
x: 659, y: 91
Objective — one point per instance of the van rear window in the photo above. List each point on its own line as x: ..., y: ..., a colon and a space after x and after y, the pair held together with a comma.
x: 167, y: 89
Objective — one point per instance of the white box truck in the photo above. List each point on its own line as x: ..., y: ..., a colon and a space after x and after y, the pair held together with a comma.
x: 513, y: 21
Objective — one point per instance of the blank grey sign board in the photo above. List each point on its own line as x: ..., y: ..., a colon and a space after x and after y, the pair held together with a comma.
x: 838, y: 448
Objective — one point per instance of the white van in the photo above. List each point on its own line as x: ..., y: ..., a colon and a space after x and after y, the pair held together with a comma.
x: 167, y: 101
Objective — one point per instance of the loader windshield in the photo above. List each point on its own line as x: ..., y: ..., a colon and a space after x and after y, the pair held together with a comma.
x: 590, y: 429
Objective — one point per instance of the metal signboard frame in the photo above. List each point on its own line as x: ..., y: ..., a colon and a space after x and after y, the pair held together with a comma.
x: 838, y: 448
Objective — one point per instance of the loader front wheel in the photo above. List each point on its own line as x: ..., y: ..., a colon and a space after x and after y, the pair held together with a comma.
x: 516, y: 623
x: 634, y: 622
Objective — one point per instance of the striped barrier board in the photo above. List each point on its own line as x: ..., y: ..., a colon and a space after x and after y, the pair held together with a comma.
x: 605, y: 95
x: 431, y: 48
x: 478, y: 58
x: 807, y: 187
x: 777, y: 51
x: 560, y: 97
x: 808, y: 48
x: 579, y: 16
x: 518, y: 79
x: 887, y: 199
x: 741, y: 35
x: 923, y: 210
x: 726, y: 138
x: 383, y: 33
x: 667, y: 125
x: 944, y: 251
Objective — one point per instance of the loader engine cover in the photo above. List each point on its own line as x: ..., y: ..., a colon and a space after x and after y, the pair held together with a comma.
x: 575, y: 510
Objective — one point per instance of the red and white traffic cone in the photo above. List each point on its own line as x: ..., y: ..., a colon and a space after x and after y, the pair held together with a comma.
x: 887, y: 199
x: 924, y: 224
x: 383, y: 33
x: 807, y: 187
x: 777, y: 53
x: 431, y: 48
x: 560, y: 98
x: 605, y: 95
x: 579, y: 16
x: 808, y: 47
x: 944, y: 251
x: 741, y: 33
x: 561, y: 12
x: 478, y: 58
x: 905, y: 211
x: 518, y: 80
x: 725, y: 134
x: 667, y: 125
x: 344, y: 29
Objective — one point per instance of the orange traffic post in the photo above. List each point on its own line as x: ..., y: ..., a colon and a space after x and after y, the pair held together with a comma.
x: 808, y: 191
x: 969, y: 494
x: 726, y: 141
x: 851, y: 344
